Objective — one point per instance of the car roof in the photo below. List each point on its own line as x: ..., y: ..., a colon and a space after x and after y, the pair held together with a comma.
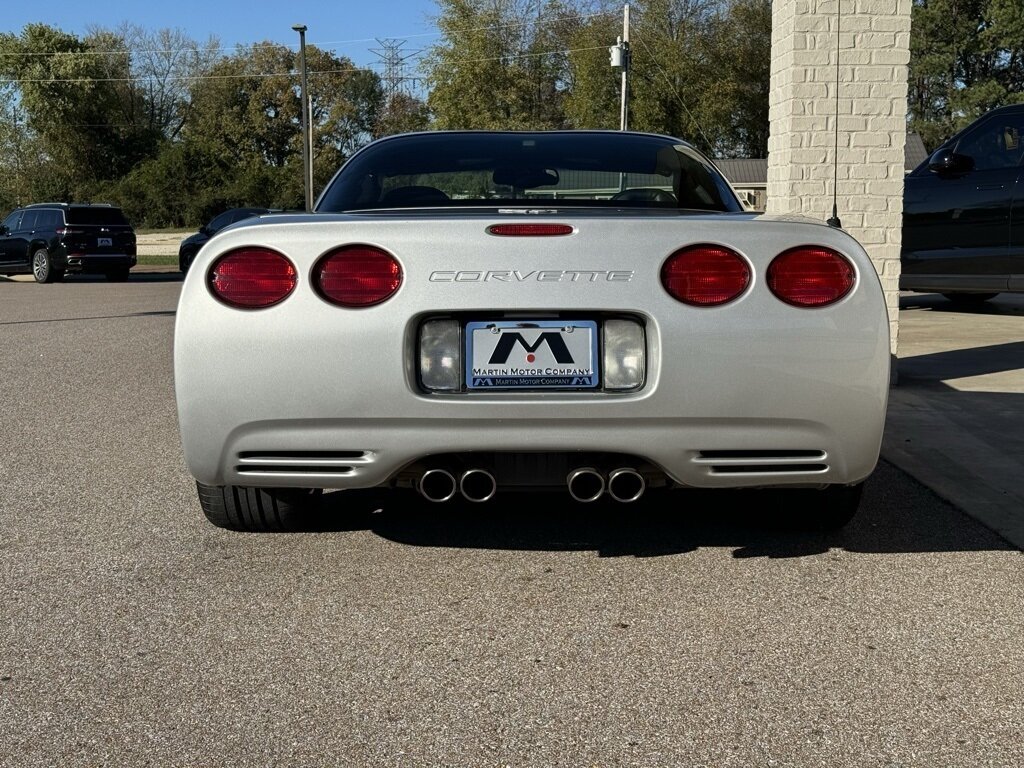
x: 70, y: 205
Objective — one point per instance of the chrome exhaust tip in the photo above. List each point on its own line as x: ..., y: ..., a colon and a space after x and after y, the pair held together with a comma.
x: 437, y: 485
x: 478, y: 485
x: 626, y: 485
x: 586, y: 484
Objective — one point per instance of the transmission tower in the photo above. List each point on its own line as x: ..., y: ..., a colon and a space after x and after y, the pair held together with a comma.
x: 395, y: 60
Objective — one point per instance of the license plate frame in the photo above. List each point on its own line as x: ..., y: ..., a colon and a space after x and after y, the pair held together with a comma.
x: 539, y: 355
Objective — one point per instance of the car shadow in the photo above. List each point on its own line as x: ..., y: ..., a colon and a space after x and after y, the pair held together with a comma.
x: 1004, y: 304
x: 934, y: 368
x: 134, y: 277
x: 897, y: 515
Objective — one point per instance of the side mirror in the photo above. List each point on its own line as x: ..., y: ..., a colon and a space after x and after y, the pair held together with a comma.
x: 946, y: 162
x: 205, y: 230
x: 4, y: 230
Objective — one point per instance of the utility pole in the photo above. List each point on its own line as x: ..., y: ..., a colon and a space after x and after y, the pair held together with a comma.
x: 620, y: 59
x: 307, y: 127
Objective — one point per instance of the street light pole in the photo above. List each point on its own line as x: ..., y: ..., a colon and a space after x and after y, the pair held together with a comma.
x: 307, y: 128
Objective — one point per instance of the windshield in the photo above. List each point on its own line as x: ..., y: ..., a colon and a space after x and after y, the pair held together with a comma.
x: 604, y: 170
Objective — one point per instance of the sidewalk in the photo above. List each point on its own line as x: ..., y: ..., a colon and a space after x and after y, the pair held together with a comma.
x: 956, y: 415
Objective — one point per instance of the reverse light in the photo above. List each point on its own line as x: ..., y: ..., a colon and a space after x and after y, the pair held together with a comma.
x: 810, y: 276
x: 624, y: 354
x: 441, y: 355
x: 705, y: 275
x: 357, y: 276
x: 252, y: 278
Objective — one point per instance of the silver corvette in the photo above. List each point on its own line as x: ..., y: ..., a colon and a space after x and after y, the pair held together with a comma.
x: 475, y: 313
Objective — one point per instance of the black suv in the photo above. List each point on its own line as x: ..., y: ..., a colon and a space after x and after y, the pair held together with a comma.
x: 963, y: 213
x: 51, y: 239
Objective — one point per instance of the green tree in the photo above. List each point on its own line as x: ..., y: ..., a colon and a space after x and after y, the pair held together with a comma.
x: 494, y: 67
x: 71, y: 91
x: 700, y: 71
x: 740, y: 42
x: 402, y: 113
x: 245, y: 120
x: 966, y: 57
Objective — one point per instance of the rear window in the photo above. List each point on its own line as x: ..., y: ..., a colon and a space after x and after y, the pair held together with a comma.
x: 97, y: 215
x: 523, y: 169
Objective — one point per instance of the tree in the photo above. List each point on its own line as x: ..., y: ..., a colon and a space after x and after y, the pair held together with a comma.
x: 245, y: 119
x: 494, y: 67
x: 163, y: 66
x: 68, y: 101
x: 740, y: 42
x: 700, y: 70
x: 966, y: 57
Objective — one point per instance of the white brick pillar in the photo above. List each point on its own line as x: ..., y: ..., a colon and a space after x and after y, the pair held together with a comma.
x: 874, y: 52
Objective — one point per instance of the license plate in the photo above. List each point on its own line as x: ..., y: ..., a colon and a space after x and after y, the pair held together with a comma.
x: 104, y: 241
x: 533, y: 354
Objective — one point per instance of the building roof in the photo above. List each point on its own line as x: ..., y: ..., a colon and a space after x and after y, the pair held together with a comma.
x: 746, y: 172
x: 915, y: 152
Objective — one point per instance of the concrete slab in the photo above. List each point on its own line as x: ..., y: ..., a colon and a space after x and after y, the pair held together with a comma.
x: 956, y: 417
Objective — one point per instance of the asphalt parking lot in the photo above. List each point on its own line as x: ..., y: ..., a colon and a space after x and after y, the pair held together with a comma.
x: 401, y: 634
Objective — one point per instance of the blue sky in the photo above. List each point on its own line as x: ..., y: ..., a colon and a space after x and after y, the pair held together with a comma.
x: 347, y: 28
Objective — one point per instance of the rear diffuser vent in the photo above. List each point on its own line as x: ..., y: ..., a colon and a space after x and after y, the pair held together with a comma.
x: 300, y: 462
x: 733, y: 462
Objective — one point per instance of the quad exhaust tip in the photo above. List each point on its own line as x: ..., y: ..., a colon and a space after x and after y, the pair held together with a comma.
x: 478, y: 485
x: 437, y: 485
x: 586, y: 484
x: 626, y: 485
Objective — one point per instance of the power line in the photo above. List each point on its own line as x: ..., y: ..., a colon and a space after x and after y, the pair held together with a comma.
x: 268, y: 44
x: 672, y: 87
x: 140, y: 80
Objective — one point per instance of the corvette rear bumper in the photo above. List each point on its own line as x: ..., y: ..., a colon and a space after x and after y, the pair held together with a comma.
x: 360, y: 453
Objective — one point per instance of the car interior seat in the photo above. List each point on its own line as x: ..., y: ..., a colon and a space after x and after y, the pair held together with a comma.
x: 414, y: 196
x: 645, y: 194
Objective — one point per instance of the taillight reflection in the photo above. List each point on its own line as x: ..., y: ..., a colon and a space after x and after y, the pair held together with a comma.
x: 705, y: 275
x: 810, y: 276
x: 357, y: 276
x: 252, y: 278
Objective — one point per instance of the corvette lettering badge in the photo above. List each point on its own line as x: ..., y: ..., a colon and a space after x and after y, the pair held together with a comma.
x: 536, y: 275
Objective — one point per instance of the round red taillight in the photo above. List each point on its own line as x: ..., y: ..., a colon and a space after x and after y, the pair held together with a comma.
x: 252, y: 278
x: 357, y: 276
x: 810, y: 276
x: 705, y: 275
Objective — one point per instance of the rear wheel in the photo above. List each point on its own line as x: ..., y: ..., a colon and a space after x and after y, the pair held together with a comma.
x: 185, y: 261
x: 969, y: 299
x: 257, y: 509
x: 42, y: 267
x: 827, y: 509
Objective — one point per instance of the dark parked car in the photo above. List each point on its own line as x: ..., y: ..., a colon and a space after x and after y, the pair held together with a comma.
x: 52, y: 239
x: 963, y: 213
x: 190, y: 245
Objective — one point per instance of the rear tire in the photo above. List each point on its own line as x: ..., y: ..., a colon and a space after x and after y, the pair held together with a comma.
x: 828, y: 509
x: 42, y: 267
x: 237, y: 508
x: 969, y: 299
x: 185, y: 261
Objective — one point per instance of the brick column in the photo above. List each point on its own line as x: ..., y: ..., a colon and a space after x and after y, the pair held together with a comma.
x: 874, y: 52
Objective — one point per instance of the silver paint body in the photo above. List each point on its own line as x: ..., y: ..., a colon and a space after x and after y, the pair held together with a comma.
x: 307, y: 376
